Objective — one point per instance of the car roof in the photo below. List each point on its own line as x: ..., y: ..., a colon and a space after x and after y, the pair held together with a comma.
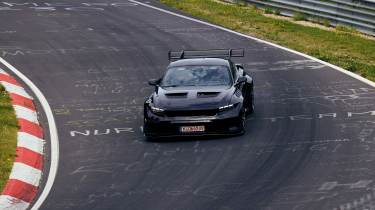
x: 200, y: 61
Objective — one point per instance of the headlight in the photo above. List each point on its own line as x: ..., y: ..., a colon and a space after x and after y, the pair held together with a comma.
x: 156, y: 110
x: 227, y: 107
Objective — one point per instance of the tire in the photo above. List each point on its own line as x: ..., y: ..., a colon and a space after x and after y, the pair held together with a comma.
x: 242, y: 122
x: 146, y: 135
x: 150, y: 138
x: 251, y: 107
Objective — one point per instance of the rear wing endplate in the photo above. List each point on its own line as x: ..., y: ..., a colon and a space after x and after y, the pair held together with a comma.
x: 220, y: 53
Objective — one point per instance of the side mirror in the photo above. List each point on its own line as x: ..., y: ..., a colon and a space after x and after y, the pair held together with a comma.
x: 241, y: 80
x: 154, y: 82
x: 239, y: 66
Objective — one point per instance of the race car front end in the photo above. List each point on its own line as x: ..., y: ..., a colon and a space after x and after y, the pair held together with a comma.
x: 224, y: 120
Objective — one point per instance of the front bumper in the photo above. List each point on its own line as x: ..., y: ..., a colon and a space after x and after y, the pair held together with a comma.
x: 162, y: 126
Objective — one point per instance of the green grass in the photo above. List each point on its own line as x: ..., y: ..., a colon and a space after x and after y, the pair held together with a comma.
x: 268, y: 10
x: 346, y: 29
x: 8, y: 137
x: 342, y: 48
x: 326, y: 23
x: 299, y: 16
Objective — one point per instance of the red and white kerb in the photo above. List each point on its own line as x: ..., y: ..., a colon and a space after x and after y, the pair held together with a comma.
x: 26, y: 174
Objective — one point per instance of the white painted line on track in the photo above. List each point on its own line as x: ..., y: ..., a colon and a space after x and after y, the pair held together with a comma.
x: 30, y: 142
x: 356, y: 76
x: 52, y: 131
x: 26, y: 113
x: 26, y: 174
x: 16, y: 89
x: 10, y: 203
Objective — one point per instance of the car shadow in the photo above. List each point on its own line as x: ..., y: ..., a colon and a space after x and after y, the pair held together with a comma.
x: 191, y: 138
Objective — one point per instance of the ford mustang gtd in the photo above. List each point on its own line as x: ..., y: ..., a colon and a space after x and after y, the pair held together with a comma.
x: 202, y: 93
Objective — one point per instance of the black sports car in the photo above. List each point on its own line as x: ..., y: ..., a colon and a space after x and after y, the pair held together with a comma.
x: 202, y: 93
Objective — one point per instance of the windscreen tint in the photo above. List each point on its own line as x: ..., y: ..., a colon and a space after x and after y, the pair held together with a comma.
x: 197, y: 76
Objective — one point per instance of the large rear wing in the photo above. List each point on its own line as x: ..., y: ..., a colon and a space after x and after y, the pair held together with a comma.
x: 220, y: 53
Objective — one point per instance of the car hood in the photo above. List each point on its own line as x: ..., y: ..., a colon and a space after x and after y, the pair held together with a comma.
x: 192, y: 98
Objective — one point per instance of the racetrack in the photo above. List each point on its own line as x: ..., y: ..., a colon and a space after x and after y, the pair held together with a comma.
x: 309, y: 144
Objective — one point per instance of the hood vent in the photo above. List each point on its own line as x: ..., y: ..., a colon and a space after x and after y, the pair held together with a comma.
x: 207, y: 94
x: 176, y: 95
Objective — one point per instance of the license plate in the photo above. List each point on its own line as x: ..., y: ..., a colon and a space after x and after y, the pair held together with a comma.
x: 190, y: 129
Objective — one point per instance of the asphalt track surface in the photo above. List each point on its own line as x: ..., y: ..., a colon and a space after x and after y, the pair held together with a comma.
x: 309, y: 144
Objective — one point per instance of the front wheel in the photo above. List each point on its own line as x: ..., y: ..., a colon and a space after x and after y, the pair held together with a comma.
x: 150, y: 138
x: 242, y: 122
x: 251, y: 106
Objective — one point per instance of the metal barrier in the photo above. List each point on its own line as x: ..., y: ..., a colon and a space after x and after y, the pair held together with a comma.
x: 359, y: 14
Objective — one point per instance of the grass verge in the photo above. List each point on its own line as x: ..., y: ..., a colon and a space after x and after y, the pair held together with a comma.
x: 8, y: 136
x: 340, y: 47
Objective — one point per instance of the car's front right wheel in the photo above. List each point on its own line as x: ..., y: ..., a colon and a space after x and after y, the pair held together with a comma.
x: 242, y: 124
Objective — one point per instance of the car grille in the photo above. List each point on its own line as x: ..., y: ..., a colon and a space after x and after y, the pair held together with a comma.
x: 182, y: 113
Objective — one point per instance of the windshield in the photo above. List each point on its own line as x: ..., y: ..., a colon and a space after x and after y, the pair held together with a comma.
x: 197, y: 76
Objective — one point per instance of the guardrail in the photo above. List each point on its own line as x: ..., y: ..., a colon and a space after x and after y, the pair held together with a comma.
x: 359, y: 14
